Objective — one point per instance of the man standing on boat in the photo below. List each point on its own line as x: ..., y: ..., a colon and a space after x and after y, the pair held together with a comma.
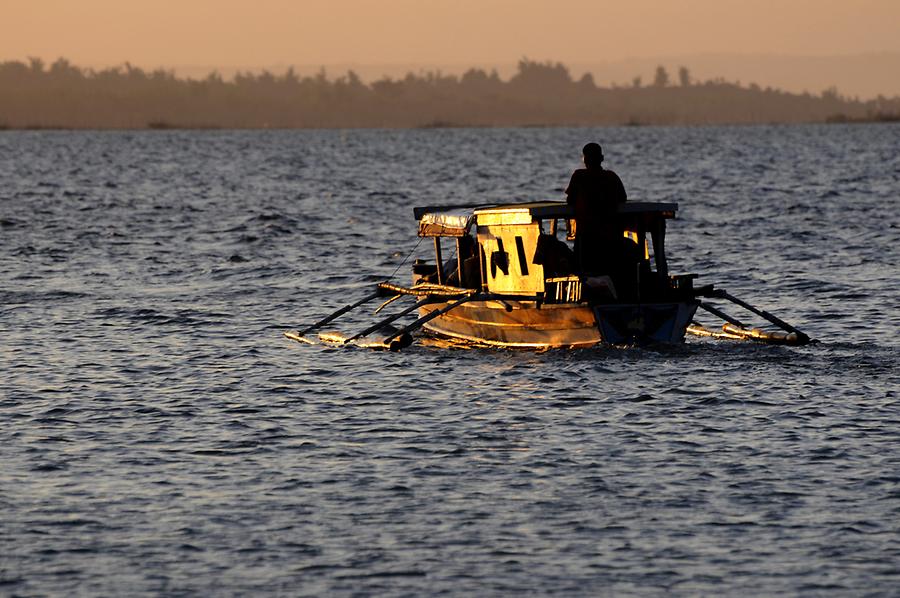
x: 594, y: 193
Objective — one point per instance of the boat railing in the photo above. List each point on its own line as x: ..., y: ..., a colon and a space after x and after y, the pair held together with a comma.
x: 562, y: 289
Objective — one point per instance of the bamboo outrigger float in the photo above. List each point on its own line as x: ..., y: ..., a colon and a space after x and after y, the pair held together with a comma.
x: 516, y: 284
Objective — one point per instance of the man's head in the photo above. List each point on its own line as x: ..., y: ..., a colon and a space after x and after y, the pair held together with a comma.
x: 593, y: 155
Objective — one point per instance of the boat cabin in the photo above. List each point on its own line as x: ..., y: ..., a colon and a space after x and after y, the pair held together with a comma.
x: 517, y: 251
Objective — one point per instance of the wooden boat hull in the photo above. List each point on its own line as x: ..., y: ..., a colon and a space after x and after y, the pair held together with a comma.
x: 522, y: 324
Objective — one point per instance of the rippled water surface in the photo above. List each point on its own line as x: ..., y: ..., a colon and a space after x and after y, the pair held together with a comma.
x: 159, y: 435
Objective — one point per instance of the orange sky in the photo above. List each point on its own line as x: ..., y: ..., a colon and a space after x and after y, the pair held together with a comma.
x: 235, y: 33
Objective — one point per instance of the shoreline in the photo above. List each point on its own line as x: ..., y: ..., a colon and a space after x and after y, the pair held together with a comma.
x: 154, y: 127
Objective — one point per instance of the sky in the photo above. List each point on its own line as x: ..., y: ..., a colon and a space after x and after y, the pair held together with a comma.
x: 229, y: 34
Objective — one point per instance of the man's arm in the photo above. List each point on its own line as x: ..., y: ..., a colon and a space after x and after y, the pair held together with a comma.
x: 620, y: 194
x: 572, y: 189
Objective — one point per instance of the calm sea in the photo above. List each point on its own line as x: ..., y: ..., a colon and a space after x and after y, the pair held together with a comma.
x: 159, y: 436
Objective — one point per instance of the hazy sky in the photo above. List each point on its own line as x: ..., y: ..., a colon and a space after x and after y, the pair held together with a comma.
x: 236, y: 33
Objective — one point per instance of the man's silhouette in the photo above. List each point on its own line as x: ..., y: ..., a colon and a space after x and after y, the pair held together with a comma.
x: 594, y: 193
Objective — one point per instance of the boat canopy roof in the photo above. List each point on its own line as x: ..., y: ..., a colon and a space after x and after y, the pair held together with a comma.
x: 541, y: 210
x: 455, y: 221
x: 537, y: 210
x: 445, y: 224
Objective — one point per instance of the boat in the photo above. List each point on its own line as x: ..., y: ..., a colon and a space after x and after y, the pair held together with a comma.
x: 521, y: 278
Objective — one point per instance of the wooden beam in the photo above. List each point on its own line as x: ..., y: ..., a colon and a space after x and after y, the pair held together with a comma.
x: 387, y: 321
x: 339, y: 312
x: 439, y: 260
x: 658, y: 234
x: 430, y: 316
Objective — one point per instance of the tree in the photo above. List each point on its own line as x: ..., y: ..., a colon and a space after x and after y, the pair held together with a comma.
x: 684, y: 76
x: 637, y: 82
x: 290, y: 77
x: 661, y: 79
x: 831, y: 94
x: 540, y: 77
x: 587, y: 82
x: 37, y: 65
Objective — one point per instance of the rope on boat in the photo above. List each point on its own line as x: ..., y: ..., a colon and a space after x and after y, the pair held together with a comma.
x: 397, y: 269
x: 385, y: 304
x: 426, y: 288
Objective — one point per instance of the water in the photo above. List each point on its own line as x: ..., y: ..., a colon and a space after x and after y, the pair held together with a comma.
x: 159, y: 436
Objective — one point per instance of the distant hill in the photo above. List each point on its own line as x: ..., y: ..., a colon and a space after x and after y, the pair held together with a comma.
x: 865, y: 76
x: 62, y: 95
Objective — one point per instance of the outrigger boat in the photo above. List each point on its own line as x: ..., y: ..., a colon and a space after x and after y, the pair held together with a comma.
x: 516, y: 284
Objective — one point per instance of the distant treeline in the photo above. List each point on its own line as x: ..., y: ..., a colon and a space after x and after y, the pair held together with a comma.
x: 61, y: 95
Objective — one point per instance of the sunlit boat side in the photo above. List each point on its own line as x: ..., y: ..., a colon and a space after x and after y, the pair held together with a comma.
x: 528, y: 307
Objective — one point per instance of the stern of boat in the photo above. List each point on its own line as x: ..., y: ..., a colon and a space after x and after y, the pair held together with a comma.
x: 621, y: 324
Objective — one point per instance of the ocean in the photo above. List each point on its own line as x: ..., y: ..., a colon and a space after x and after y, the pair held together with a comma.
x: 159, y: 435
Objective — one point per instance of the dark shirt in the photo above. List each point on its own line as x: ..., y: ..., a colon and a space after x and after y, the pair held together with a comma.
x: 594, y: 193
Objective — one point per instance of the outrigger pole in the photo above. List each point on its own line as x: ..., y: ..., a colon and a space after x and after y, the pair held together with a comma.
x: 339, y: 313
x: 718, y: 312
x: 425, y: 319
x: 763, y: 314
x: 428, y: 293
x: 404, y: 339
x: 431, y: 293
x: 388, y: 320
x: 736, y: 329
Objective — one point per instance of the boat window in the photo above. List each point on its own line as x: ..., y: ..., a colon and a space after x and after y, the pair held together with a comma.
x: 630, y: 234
x: 523, y: 261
